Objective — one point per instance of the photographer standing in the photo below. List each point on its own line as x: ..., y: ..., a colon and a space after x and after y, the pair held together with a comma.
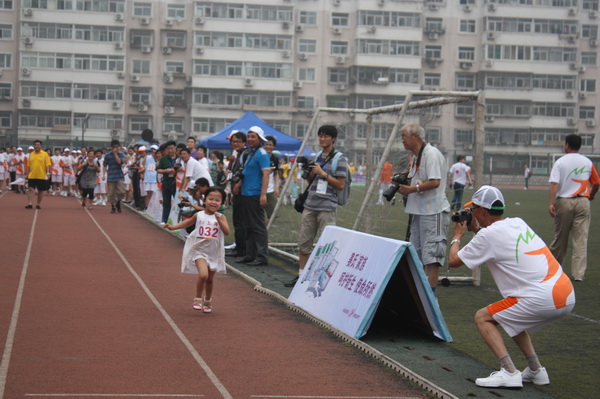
x: 321, y: 204
x: 536, y: 291
x: 167, y: 167
x: 427, y: 204
x: 238, y: 144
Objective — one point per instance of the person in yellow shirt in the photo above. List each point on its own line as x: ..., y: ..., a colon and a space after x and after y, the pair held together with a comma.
x: 38, y: 172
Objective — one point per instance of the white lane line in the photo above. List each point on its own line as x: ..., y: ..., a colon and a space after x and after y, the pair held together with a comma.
x: 113, y: 395
x: 213, y: 378
x: 10, y: 336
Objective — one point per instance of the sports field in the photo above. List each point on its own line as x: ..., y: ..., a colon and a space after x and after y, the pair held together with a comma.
x: 568, y: 348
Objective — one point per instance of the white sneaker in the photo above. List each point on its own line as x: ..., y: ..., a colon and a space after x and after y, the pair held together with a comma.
x: 501, y: 379
x: 538, y: 377
x: 232, y: 246
x: 103, y: 202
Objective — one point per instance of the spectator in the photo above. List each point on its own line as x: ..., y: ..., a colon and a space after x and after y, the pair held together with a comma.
x: 574, y: 183
x: 385, y: 181
x: 215, y: 157
x: 137, y: 169
x: 149, y: 185
x: 66, y: 163
x: 426, y: 204
x: 321, y: 204
x: 57, y: 179
x: 167, y: 168
x: 527, y: 175
x: 240, y: 153
x: 113, y: 162
x: 535, y: 289
x: 38, y: 172
x: 458, y: 175
x: 254, y: 199
x: 20, y: 164
x: 190, y: 143
x: 201, y: 151
x: 273, y: 187
x: 89, y: 171
x: 193, y: 170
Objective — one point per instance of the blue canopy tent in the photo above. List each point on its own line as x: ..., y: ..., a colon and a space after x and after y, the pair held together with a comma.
x: 285, y: 144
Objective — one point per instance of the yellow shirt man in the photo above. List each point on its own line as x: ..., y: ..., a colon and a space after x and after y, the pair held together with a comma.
x: 39, y: 161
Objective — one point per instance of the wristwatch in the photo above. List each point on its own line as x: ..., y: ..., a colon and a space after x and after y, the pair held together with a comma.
x: 326, y: 176
x: 454, y: 241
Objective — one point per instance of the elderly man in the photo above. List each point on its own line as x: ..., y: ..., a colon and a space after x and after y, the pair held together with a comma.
x: 38, y: 173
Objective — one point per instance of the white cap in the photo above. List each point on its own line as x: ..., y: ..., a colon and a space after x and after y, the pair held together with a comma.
x: 191, y: 185
x: 258, y: 130
x: 66, y: 150
x: 154, y: 147
x: 142, y: 148
x: 19, y: 149
x: 486, y: 196
x: 30, y: 148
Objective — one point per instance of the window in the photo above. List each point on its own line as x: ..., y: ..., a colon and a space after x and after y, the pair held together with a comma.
x: 173, y: 125
x: 139, y: 123
x: 306, y: 102
x: 432, y: 79
x: 140, y: 66
x: 174, y: 39
x: 463, y: 136
x: 434, y: 25
x: 338, y: 48
x: 140, y: 95
x: 141, y: 38
x: 464, y: 109
x: 307, y: 46
x: 6, y: 4
x: 433, y: 52
x: 5, y: 119
x: 142, y: 9
x: 339, y: 19
x: 587, y: 140
x: 589, y: 31
x: 466, y: 53
x: 587, y: 112
x: 209, y: 125
x: 590, y: 5
x: 589, y: 58
x: 338, y: 75
x: 307, y: 74
x: 308, y: 18
x: 467, y: 26
x: 465, y: 81
x: 5, y: 90
x: 433, y: 135
x: 6, y: 61
x: 301, y: 129
x: 6, y: 32
x: 587, y: 85
x: 175, y: 98
x: 176, y: 10
x: 175, y: 66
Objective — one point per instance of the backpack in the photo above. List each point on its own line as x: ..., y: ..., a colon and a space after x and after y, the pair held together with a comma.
x: 343, y: 195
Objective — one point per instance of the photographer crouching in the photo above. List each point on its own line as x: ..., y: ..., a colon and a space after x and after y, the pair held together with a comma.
x: 535, y: 289
x: 426, y: 202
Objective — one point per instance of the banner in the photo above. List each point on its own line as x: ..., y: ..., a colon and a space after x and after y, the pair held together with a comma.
x: 348, y: 273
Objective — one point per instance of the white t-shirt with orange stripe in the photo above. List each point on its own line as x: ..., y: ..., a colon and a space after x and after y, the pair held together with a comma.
x: 56, y: 169
x: 520, y: 263
x: 66, y: 163
x: 575, y: 174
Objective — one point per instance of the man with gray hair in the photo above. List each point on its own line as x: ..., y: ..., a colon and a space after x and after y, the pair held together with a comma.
x: 426, y: 203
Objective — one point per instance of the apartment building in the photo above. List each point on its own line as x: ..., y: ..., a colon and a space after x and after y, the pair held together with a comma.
x: 85, y: 71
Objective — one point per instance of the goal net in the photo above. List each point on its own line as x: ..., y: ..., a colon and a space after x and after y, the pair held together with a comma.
x: 370, y: 139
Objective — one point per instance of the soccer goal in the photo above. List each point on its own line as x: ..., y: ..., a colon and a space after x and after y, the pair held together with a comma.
x: 370, y: 140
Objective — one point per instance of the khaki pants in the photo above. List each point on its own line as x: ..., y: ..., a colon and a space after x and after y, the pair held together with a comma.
x: 573, y: 216
x: 116, y: 191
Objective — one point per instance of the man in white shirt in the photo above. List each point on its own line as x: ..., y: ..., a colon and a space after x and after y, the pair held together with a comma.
x: 426, y: 204
x: 536, y: 291
x: 574, y: 183
x: 193, y: 169
x: 57, y: 175
x: 459, y: 173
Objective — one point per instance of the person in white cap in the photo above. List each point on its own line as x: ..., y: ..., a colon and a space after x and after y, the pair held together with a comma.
x: 20, y: 163
x: 66, y: 163
x: 536, y: 291
x: 57, y: 174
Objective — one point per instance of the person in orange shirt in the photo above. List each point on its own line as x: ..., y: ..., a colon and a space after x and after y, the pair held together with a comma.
x: 385, y: 181
x: 38, y: 173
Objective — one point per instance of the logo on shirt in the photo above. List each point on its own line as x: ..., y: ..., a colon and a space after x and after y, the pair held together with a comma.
x: 526, y: 239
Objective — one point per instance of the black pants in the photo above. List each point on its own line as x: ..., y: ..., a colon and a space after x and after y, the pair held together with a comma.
x: 168, y: 192
x: 238, y: 225
x: 137, y: 195
x: 257, y: 238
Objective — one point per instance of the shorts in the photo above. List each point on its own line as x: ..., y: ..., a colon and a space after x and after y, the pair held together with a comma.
x: 428, y: 233
x: 57, y: 179
x: 3, y: 175
x: 146, y: 187
x: 87, y: 192
x: 516, y: 315
x: 116, y: 191
x: 40, y: 184
x: 312, y: 224
x: 69, y: 180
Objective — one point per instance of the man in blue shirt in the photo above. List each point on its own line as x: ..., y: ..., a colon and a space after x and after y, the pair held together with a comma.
x: 115, y: 181
x: 257, y: 167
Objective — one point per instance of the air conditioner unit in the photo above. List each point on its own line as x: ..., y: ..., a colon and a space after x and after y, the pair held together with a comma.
x: 433, y: 36
x: 116, y: 105
x: 168, y: 78
x: 466, y: 65
x: 285, y: 24
x: 167, y: 50
x: 337, y: 31
x: 143, y: 108
x: 340, y: 60
x: 570, y: 94
x: 119, y: 17
x: 593, y: 42
x: 373, y: 29
x: 169, y: 22
x: 26, y: 103
x: 382, y: 80
x: 299, y: 28
x: 199, y: 21
x: 573, y: 66
x: 470, y: 119
x: 285, y: 54
x: 490, y: 118
x: 571, y: 121
x: 489, y: 63
x: 28, y: 12
x: 572, y: 12
x: 25, y: 71
x: 593, y: 14
x: 303, y: 56
x: 146, y: 49
x: 145, y: 21
x: 491, y: 7
x: 28, y: 41
x: 297, y: 85
x: 248, y: 82
x: 491, y: 35
x: 590, y: 123
x: 118, y: 45
x: 199, y: 50
x: 467, y: 8
x: 582, y: 68
x: 169, y: 110
x: 114, y: 133
x: 121, y: 75
x: 582, y: 95
x: 134, y: 78
x: 340, y: 87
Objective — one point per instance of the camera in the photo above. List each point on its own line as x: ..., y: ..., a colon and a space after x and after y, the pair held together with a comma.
x: 183, y: 204
x: 236, y: 177
x: 305, y: 165
x: 397, y: 180
x: 462, y: 216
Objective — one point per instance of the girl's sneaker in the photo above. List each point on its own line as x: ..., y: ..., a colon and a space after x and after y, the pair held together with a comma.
x: 198, y: 304
x: 207, y: 308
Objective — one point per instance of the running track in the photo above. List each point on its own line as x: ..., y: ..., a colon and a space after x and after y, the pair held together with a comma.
x: 92, y: 305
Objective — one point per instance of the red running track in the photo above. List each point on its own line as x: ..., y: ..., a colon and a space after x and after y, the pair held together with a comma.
x: 93, y: 306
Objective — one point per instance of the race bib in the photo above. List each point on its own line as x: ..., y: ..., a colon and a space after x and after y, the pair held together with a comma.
x: 322, y: 186
x: 208, y: 232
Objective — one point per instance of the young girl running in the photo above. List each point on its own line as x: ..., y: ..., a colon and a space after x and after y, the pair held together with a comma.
x: 204, y: 250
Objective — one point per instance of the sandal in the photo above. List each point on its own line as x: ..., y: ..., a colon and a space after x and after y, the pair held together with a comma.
x: 207, y: 308
x: 197, y: 304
